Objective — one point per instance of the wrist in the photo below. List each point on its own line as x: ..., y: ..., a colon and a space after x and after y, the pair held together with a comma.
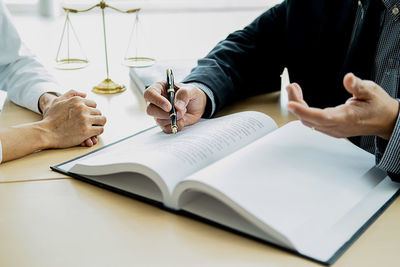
x: 393, y: 115
x: 43, y: 133
x: 210, y: 106
x: 203, y: 101
x: 45, y: 101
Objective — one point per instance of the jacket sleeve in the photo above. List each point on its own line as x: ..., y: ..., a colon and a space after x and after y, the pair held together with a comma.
x: 21, y: 74
x: 247, y: 62
x: 388, y: 152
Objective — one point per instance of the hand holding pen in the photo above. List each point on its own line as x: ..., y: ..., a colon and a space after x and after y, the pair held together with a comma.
x: 189, y: 104
x: 171, y: 98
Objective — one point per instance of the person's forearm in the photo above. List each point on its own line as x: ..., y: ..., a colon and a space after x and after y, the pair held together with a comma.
x: 232, y: 69
x: 21, y: 140
x: 27, y: 81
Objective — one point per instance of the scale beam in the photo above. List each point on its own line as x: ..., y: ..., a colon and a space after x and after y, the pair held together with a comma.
x: 107, y: 86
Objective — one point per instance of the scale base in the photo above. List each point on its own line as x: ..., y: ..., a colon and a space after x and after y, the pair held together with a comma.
x: 108, y: 87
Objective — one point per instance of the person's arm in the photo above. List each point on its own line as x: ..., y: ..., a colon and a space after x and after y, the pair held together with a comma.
x: 371, y: 111
x: 21, y: 74
x: 248, y: 61
x: 68, y: 121
x: 21, y: 140
x: 27, y: 82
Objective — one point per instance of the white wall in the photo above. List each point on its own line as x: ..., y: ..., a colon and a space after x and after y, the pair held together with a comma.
x: 52, y: 7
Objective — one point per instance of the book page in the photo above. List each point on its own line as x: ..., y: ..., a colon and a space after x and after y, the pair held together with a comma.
x: 295, y: 181
x: 174, y: 157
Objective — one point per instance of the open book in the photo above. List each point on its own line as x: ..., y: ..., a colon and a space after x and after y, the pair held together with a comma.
x: 291, y: 186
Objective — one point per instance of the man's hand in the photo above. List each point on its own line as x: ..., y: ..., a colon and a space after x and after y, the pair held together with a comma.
x: 190, y: 103
x: 71, y: 120
x: 371, y: 111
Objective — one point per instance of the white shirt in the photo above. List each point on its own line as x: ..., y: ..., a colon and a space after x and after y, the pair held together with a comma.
x: 21, y: 75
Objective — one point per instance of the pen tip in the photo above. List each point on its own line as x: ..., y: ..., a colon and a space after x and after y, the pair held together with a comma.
x: 174, y: 129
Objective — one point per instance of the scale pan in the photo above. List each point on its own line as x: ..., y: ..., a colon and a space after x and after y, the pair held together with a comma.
x: 71, y: 64
x: 139, y: 62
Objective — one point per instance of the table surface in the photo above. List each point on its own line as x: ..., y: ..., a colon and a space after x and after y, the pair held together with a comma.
x: 52, y: 220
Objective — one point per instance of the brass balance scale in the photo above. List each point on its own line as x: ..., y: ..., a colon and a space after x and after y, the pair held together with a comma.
x: 67, y: 60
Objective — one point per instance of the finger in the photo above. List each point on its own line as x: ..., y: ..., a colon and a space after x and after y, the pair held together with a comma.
x: 167, y: 122
x: 315, y: 116
x: 324, y: 129
x: 156, y: 112
x: 90, y: 103
x: 359, y: 88
x: 98, y: 120
x: 96, y: 130
x: 183, y: 97
x: 167, y: 126
x: 163, y: 123
x: 317, y: 126
x: 94, y: 140
x: 89, y: 142
x: 166, y: 129
x: 294, y: 92
x: 155, y: 94
x: 72, y: 93
x: 179, y: 115
x: 95, y: 111
x: 180, y: 123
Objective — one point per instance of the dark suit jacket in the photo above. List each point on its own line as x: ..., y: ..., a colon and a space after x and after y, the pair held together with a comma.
x: 312, y: 38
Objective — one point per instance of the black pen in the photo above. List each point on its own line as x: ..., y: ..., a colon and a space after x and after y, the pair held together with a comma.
x: 171, y: 97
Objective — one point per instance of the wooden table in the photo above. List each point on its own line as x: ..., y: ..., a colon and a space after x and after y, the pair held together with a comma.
x: 58, y: 221
x: 47, y: 219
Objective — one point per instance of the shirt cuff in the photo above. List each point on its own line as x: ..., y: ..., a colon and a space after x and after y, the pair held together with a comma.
x: 390, y: 159
x: 37, y: 91
x: 210, y: 106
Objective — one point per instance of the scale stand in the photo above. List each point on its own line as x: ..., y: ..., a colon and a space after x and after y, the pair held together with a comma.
x: 72, y: 61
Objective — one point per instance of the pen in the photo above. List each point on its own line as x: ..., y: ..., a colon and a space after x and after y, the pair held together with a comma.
x: 171, y: 97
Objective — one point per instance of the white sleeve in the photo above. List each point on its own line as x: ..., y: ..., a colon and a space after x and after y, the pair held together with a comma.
x: 21, y: 74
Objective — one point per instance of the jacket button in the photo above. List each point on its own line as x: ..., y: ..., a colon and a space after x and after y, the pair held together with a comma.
x: 395, y: 11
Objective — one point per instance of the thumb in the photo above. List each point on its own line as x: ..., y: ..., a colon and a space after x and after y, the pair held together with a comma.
x: 355, y: 86
x: 183, y: 97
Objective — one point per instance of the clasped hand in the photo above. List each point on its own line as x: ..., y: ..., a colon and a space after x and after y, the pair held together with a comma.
x: 71, y: 120
x: 370, y: 111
